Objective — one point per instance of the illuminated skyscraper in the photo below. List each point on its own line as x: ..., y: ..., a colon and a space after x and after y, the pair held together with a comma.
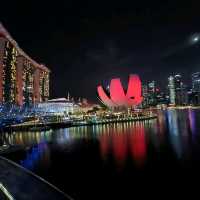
x: 152, y: 93
x: 22, y: 80
x: 177, y: 90
x: 171, y: 87
x: 196, y: 82
x: 8, y: 60
x: 181, y: 97
x: 195, y: 93
x: 145, y: 96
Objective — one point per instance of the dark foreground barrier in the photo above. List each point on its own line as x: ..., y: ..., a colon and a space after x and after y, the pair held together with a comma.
x: 19, y: 183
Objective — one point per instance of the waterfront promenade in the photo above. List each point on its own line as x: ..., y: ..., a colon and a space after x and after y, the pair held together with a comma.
x: 62, y: 124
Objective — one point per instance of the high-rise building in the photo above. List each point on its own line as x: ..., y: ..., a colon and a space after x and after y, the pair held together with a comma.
x: 184, y: 95
x: 145, y: 96
x: 161, y: 98
x: 171, y: 87
x: 22, y: 80
x: 177, y: 90
x: 196, y: 82
x: 152, y: 93
x: 195, y: 93
x: 180, y: 91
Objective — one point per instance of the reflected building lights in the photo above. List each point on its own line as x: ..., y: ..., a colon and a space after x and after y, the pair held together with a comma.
x: 120, y: 147
x: 174, y: 132
x: 119, y: 140
x: 191, y: 116
x: 161, y: 123
x: 138, y: 144
x: 122, y: 138
x: 153, y: 135
x: 104, y: 142
x: 155, y: 130
x: 184, y: 136
x: 40, y: 152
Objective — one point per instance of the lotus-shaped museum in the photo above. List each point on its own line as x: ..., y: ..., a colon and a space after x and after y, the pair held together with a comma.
x: 117, y: 96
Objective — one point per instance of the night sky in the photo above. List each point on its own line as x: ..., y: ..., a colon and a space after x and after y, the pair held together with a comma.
x: 87, y: 43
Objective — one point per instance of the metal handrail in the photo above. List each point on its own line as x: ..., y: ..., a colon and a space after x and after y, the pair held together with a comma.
x: 5, y: 192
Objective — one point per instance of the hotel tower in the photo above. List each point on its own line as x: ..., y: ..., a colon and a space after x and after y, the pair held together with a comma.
x: 22, y: 80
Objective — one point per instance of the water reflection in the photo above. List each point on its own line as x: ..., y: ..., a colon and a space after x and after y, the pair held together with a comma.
x: 39, y: 153
x: 119, y: 144
x: 191, y: 114
x: 181, y: 125
x: 121, y: 139
x: 156, y: 131
x: 138, y: 143
x: 174, y: 135
x: 26, y: 138
x: 117, y: 141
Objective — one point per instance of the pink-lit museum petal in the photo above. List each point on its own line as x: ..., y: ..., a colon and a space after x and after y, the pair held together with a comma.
x: 117, y: 92
x: 133, y: 97
x: 104, y: 98
x: 134, y: 92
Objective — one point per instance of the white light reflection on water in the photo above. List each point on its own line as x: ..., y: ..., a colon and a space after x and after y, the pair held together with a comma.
x: 174, y: 132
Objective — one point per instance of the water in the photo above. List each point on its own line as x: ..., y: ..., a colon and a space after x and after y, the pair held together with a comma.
x: 117, y: 161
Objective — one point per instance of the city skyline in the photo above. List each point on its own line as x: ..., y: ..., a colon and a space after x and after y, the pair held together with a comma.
x: 22, y: 80
x: 79, y: 41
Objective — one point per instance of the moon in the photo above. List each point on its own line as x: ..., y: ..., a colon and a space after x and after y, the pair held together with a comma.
x: 195, y: 38
x: 191, y: 40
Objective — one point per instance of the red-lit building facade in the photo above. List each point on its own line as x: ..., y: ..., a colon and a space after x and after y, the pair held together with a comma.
x: 117, y: 96
x: 22, y: 80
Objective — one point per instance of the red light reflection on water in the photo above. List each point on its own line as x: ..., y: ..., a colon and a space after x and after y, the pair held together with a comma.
x: 104, y: 145
x: 120, y: 147
x: 138, y: 144
x: 122, y: 142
